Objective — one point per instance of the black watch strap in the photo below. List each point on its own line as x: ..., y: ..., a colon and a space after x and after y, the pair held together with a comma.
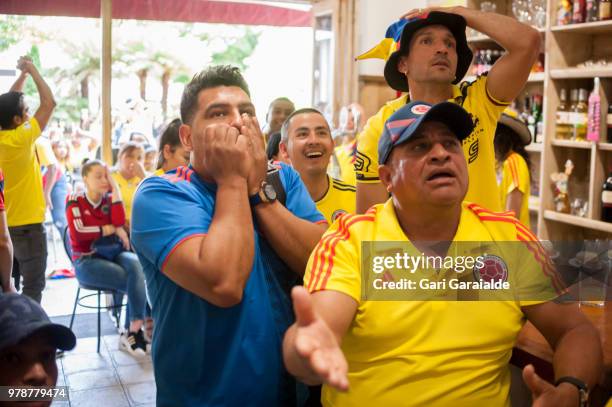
x: 583, y: 389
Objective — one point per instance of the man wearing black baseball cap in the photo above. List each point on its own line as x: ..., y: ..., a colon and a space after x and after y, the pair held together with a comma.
x: 28, y: 343
x: 401, y: 348
x: 430, y: 58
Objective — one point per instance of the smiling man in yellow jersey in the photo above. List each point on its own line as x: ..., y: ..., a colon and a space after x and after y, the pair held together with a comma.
x: 430, y: 353
x: 25, y: 203
x: 306, y: 140
x: 432, y: 58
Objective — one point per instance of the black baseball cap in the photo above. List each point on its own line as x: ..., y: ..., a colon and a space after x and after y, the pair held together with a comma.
x: 22, y: 317
x: 405, y: 122
x: 455, y: 23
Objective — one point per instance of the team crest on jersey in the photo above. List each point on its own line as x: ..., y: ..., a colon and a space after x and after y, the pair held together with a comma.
x: 105, y: 209
x: 420, y: 109
x: 337, y: 213
x: 493, y: 269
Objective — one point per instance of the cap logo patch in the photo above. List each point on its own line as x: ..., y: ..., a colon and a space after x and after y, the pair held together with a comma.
x: 420, y: 109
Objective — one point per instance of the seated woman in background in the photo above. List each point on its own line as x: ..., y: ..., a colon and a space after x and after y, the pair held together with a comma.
x: 172, y: 154
x: 128, y: 174
x: 92, y: 215
x: 513, y: 165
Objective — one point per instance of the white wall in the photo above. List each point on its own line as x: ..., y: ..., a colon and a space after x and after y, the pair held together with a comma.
x: 374, y: 18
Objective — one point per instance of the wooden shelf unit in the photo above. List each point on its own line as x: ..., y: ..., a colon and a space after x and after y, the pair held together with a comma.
x: 566, y: 47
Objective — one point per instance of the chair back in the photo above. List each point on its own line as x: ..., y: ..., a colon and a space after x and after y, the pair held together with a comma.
x: 67, y: 244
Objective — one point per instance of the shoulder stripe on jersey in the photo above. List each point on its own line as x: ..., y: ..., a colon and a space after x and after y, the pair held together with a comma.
x: 327, y: 250
x: 513, y: 170
x: 319, y: 252
x: 346, y: 234
x: 534, y: 247
x: 478, y: 210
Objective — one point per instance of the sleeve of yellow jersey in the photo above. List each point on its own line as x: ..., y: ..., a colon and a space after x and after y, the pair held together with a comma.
x: 516, y: 174
x: 29, y: 132
x: 334, y: 263
x: 366, y: 158
x: 480, y: 103
x: 45, y: 152
x: 537, y: 277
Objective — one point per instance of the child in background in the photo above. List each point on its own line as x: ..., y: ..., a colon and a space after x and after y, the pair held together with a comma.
x: 172, y: 154
x: 513, y: 165
x: 128, y: 174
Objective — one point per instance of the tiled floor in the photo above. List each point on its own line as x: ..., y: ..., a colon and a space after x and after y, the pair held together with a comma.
x: 110, y: 378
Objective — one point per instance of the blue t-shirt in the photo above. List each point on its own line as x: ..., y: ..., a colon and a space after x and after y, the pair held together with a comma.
x: 204, y: 355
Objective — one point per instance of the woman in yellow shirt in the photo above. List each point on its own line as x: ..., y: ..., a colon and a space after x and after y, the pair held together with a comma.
x: 513, y: 165
x: 128, y: 174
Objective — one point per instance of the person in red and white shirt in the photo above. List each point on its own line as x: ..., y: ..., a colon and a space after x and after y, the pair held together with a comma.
x: 6, y: 247
x: 92, y: 215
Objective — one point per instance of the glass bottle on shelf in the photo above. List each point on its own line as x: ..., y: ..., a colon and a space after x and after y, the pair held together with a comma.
x: 592, y: 13
x: 594, y: 114
x: 605, y: 10
x: 580, y: 116
x: 534, y: 117
x: 563, y: 129
x: 578, y: 12
x: 606, y: 199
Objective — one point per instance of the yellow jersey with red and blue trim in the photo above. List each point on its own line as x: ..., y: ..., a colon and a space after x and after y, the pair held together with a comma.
x: 477, y: 147
x: 345, y: 154
x: 426, y: 353
x: 515, y: 175
x: 25, y: 203
x: 338, y: 200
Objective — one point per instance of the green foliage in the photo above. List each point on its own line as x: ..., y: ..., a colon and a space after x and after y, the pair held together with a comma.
x: 238, y: 50
x: 69, y: 109
x: 11, y: 30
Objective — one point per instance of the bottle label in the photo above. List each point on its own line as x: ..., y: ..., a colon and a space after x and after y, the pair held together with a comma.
x: 609, y: 120
x: 606, y: 197
x: 563, y: 117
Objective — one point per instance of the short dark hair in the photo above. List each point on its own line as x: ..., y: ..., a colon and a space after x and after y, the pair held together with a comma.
x: 272, y: 147
x: 10, y: 106
x: 88, y: 166
x: 170, y: 137
x: 212, y: 77
x: 285, y: 126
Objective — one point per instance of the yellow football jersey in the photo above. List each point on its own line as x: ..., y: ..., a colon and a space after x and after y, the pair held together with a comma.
x: 23, y: 191
x: 128, y: 189
x: 346, y: 157
x: 515, y: 175
x: 427, y: 353
x: 478, y: 147
x: 338, y: 200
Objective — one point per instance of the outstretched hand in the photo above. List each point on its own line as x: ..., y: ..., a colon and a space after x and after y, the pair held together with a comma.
x: 316, y: 344
x: 544, y: 394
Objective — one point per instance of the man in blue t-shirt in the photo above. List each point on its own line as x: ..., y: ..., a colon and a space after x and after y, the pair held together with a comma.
x: 219, y: 299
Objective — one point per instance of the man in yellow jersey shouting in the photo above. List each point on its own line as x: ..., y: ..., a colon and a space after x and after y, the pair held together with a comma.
x: 431, y: 59
x: 431, y: 353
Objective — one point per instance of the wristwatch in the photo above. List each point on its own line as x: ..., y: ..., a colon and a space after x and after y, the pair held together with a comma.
x: 266, y: 194
x: 583, y: 389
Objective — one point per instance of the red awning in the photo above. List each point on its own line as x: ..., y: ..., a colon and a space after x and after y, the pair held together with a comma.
x: 202, y: 11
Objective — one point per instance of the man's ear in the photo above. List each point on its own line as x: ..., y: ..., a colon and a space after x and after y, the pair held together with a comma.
x: 185, y: 136
x: 402, y: 64
x: 384, y: 174
x: 283, y: 153
x: 17, y: 120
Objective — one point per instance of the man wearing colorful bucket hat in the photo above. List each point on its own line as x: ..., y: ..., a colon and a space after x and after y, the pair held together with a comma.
x: 405, y: 351
x: 427, y: 55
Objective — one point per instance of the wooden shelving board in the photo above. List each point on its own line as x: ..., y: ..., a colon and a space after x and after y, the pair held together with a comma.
x: 599, y: 27
x: 578, y: 221
x: 578, y: 73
